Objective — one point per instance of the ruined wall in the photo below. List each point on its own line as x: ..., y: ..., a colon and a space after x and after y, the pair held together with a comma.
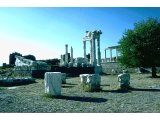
x: 114, y: 68
x: 22, y: 71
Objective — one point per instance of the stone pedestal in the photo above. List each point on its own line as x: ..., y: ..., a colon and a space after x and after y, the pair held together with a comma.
x: 90, y: 82
x: 124, y: 80
x: 53, y: 83
x: 63, y: 78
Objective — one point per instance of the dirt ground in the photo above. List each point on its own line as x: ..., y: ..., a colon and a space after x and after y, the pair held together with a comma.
x: 143, y: 97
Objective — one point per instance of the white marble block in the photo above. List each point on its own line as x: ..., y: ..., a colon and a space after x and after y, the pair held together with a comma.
x: 53, y: 83
x: 63, y: 78
x: 90, y: 82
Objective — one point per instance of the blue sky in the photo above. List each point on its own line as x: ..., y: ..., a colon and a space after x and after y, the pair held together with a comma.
x: 44, y: 32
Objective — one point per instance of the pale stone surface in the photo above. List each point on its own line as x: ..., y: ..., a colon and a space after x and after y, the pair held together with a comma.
x: 83, y: 78
x: 79, y: 61
x: 90, y: 82
x: 21, y: 61
x: 124, y: 80
x: 63, y: 78
x: 66, y: 54
x: 71, y: 54
x: 53, y: 83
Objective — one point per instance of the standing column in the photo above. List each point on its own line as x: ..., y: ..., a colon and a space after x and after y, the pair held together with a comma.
x: 71, y: 54
x: 94, y: 52
x: 110, y: 54
x: 91, y: 57
x: 105, y: 55
x: 84, y: 48
x: 98, y: 50
x: 61, y: 62
x: 116, y: 54
x: 66, y: 55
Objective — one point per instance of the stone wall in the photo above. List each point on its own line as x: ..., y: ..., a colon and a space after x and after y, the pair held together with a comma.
x: 22, y: 71
x: 114, y: 68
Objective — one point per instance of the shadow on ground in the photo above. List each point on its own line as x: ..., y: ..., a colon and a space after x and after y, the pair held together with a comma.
x: 82, y: 99
x: 16, y: 84
x: 70, y: 84
x: 67, y: 86
x: 140, y: 89
x: 130, y: 90
x: 117, y: 91
x: 153, y: 77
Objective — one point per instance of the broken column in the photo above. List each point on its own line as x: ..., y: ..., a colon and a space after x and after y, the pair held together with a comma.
x: 90, y: 82
x: 71, y: 62
x: 124, y: 80
x: 71, y: 54
x: 52, y: 81
x: 66, y: 54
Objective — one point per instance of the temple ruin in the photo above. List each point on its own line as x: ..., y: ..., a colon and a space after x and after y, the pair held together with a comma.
x: 92, y: 37
x: 111, y: 59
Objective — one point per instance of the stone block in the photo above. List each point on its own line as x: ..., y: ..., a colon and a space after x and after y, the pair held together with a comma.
x: 90, y: 82
x: 53, y: 83
x: 124, y: 80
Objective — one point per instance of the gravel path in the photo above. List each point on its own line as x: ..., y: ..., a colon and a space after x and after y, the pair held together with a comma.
x: 144, y: 97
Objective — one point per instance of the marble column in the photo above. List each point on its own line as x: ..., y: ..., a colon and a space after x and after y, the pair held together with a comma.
x: 98, y: 50
x: 116, y: 54
x: 84, y: 48
x: 91, y: 57
x: 105, y: 55
x: 71, y: 54
x: 110, y: 54
x: 94, y: 52
x: 66, y: 55
x: 61, y: 62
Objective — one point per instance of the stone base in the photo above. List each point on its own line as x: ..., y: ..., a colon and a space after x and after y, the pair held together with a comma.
x: 53, y: 83
x: 98, y: 69
x: 90, y: 82
x: 124, y: 81
x: 63, y: 78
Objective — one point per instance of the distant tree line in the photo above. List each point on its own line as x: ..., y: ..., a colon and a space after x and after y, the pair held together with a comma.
x: 52, y: 62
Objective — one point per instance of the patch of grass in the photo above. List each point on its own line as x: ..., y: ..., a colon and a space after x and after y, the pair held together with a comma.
x: 89, y: 88
x: 1, y: 88
x: 50, y: 96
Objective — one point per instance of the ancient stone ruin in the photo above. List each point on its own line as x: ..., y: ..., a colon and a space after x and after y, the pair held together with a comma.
x: 52, y: 82
x: 90, y: 82
x: 92, y: 37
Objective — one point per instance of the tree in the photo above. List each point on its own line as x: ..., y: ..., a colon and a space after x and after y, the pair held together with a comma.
x: 54, y: 62
x: 31, y: 57
x: 12, y: 58
x: 140, y: 47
